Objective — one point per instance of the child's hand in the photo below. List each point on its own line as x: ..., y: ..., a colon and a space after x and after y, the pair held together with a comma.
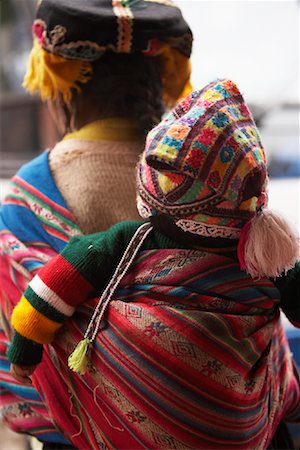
x: 22, y: 373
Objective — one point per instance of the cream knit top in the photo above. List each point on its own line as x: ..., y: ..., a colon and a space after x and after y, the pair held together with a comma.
x: 94, y: 169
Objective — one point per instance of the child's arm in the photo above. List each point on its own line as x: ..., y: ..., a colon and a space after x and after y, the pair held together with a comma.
x: 78, y: 273
x: 289, y: 287
x: 51, y: 298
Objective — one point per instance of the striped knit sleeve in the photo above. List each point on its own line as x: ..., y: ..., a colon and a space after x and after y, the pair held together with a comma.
x: 49, y: 299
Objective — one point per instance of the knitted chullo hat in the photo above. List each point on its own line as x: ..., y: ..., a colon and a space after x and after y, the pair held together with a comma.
x: 70, y: 34
x: 204, y: 166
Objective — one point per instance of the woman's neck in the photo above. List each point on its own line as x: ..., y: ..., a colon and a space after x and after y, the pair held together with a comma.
x: 110, y: 129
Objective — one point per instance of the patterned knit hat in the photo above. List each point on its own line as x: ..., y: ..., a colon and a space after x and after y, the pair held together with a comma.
x: 69, y: 34
x: 204, y: 164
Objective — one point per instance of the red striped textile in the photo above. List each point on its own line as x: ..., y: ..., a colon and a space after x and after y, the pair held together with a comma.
x: 191, y: 355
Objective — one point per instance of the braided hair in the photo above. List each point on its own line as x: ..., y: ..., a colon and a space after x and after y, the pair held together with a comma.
x: 126, y: 85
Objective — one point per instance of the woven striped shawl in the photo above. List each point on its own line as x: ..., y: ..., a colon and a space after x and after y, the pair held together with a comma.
x: 191, y: 355
x: 35, y: 224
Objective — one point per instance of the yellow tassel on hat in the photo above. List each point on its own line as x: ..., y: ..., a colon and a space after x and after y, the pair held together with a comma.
x: 77, y: 361
x: 51, y: 74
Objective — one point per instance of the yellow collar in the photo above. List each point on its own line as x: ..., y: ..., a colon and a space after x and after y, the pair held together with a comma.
x: 116, y: 129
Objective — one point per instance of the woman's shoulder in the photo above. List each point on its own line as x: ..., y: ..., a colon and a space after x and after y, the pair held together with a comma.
x: 35, y: 165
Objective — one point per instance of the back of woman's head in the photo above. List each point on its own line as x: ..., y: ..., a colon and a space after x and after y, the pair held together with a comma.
x: 126, y: 85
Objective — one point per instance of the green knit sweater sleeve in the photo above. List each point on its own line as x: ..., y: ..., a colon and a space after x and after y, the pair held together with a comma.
x: 106, y: 247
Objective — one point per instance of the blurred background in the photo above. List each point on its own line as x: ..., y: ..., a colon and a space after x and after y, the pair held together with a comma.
x: 254, y: 43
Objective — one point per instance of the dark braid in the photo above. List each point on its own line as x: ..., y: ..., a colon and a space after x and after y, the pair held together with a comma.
x: 127, y: 86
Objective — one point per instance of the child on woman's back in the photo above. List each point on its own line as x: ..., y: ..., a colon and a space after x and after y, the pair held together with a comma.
x: 210, y: 340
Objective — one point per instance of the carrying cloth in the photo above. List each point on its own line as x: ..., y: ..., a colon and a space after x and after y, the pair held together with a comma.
x: 191, y: 354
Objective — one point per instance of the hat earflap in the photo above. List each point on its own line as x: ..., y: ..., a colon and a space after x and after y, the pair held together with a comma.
x: 268, y: 245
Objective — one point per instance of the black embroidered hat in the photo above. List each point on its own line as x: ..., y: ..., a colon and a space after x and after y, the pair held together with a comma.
x: 79, y: 29
x: 83, y: 31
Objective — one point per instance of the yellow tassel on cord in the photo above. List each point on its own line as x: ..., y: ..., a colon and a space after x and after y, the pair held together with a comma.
x: 77, y: 361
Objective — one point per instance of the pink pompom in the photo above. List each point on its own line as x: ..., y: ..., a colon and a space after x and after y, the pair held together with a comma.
x: 268, y: 245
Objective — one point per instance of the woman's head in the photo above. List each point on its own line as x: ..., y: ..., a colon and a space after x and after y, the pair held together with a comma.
x: 205, y: 168
x: 107, y: 46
